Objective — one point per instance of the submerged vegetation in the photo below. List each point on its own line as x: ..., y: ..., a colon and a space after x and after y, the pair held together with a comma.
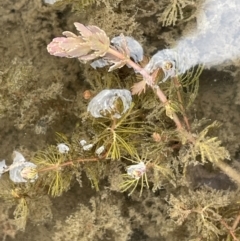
x: 136, y: 135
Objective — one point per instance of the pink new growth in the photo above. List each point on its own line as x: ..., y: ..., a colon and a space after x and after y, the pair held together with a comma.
x: 90, y: 44
x: 93, y: 43
x: 56, y: 47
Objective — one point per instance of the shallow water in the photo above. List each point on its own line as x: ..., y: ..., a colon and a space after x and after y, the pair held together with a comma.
x: 211, y: 38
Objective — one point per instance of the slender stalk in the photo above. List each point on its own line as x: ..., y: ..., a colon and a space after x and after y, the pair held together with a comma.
x: 68, y: 163
x: 178, y: 85
x: 135, y: 66
x: 149, y: 80
x: 230, y: 230
x: 236, y: 222
x: 232, y: 173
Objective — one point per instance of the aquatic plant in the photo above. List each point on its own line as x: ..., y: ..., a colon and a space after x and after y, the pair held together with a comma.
x: 93, y: 43
x: 137, y: 122
x: 194, y: 147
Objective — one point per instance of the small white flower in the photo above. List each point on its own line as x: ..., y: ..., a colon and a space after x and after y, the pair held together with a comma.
x: 63, y: 148
x: 87, y: 147
x: 82, y: 142
x: 100, y: 150
x: 50, y: 1
x: 137, y: 170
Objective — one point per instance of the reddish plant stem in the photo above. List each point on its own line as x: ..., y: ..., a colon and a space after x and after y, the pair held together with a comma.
x: 68, y: 163
x: 236, y: 222
x: 229, y: 230
x: 71, y: 162
x: 178, y: 85
x: 149, y: 80
x: 135, y: 66
x: 227, y: 169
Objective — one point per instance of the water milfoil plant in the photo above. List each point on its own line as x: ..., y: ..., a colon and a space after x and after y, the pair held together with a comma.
x: 93, y: 45
x: 134, y: 135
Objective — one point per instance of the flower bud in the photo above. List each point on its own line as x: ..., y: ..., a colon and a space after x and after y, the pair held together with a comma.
x: 87, y: 94
x: 63, y: 148
x: 90, y: 44
x: 136, y: 171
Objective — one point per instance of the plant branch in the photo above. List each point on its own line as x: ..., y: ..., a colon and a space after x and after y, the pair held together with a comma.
x: 135, y: 66
x: 149, y: 80
x: 178, y: 85
x: 230, y: 230
x: 68, y: 163
x: 227, y: 169
x: 236, y: 222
